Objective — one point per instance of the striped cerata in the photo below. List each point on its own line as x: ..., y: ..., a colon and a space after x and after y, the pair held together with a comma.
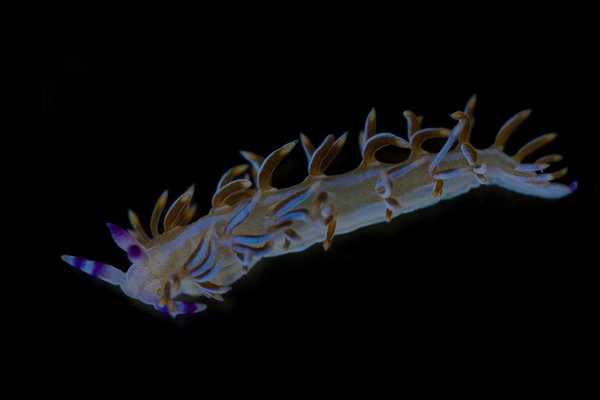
x: 250, y: 219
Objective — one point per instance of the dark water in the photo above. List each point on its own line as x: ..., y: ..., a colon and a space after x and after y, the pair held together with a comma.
x: 492, y: 287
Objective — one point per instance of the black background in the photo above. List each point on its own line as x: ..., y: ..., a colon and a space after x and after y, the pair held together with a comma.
x: 489, y: 290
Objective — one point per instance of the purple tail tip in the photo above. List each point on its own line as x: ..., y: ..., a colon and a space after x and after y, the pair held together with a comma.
x: 573, y: 186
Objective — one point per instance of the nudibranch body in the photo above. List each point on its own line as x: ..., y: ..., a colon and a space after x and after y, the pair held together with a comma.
x: 250, y: 219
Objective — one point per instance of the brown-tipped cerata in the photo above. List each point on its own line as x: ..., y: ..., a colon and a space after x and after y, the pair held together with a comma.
x: 250, y: 219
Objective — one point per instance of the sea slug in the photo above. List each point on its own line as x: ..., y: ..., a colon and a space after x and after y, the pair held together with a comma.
x: 250, y: 219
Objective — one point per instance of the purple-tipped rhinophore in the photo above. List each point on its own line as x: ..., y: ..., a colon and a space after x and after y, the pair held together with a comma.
x: 123, y: 239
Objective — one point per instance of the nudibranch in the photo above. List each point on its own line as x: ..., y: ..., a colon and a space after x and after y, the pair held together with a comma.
x: 250, y: 219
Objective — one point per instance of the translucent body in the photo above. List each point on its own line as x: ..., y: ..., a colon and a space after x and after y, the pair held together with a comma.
x: 249, y: 222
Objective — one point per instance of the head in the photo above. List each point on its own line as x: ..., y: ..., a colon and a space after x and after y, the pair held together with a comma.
x: 161, y: 272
